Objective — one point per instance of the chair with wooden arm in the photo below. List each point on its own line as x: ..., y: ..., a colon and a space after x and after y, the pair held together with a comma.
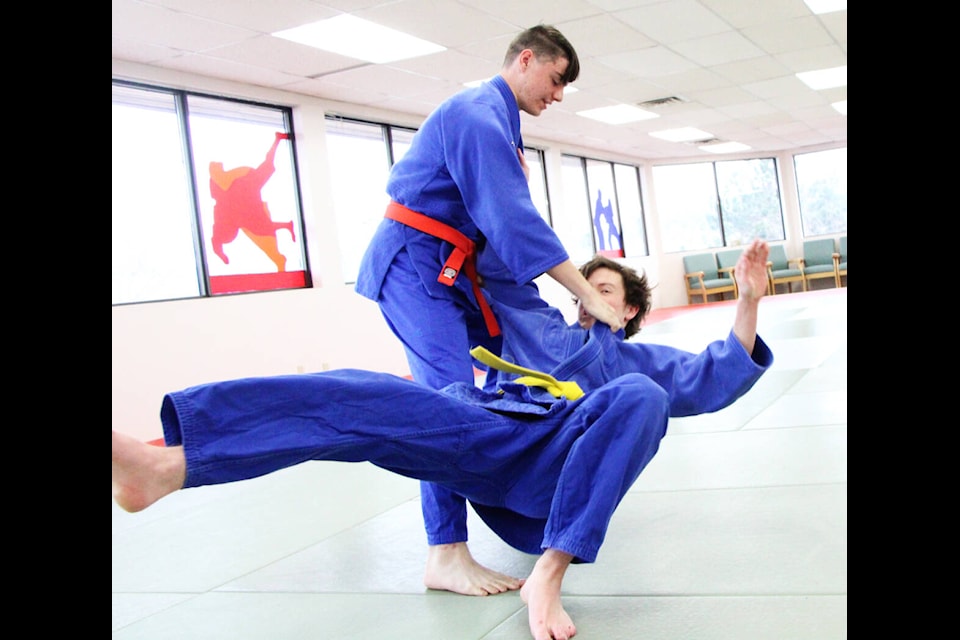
x: 820, y: 260
x: 783, y: 270
x: 702, y: 277
x: 841, y: 259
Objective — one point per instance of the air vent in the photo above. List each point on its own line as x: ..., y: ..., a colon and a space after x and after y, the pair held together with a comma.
x: 662, y: 102
x: 697, y: 143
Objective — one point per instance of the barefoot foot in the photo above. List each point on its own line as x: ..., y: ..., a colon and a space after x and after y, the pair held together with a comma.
x: 450, y: 567
x: 541, y: 592
x: 143, y: 473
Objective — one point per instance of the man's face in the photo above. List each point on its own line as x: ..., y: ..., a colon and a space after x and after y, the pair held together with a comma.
x: 610, y: 285
x: 542, y: 83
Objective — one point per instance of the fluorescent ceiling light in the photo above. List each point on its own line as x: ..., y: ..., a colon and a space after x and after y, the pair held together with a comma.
x: 724, y: 147
x: 825, y: 78
x: 350, y: 36
x: 683, y: 134
x: 618, y: 114
x: 840, y: 106
x: 826, y: 6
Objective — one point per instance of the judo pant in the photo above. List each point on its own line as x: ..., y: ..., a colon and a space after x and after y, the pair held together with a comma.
x: 541, y: 474
x: 437, y: 335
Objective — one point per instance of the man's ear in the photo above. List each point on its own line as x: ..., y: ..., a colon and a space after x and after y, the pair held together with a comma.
x: 525, y: 57
x: 632, y: 311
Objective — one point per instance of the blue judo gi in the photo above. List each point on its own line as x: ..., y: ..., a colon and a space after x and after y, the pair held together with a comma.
x: 536, y: 336
x: 542, y: 472
x: 462, y: 170
x: 540, y: 338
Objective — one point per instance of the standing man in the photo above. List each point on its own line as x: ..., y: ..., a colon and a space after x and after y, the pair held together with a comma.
x: 460, y: 216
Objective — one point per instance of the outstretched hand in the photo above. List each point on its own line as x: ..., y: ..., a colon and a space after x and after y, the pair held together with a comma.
x: 751, y: 270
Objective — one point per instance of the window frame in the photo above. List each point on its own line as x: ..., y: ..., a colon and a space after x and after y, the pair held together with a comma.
x: 579, y: 192
x: 210, y: 285
x: 690, y: 186
x: 813, y: 224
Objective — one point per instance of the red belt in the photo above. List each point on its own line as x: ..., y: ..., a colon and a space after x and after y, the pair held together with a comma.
x: 462, y: 257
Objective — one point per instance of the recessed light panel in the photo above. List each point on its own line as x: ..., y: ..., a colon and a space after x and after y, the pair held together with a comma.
x: 825, y: 78
x: 350, y: 36
x: 826, y: 6
x: 683, y: 134
x: 618, y: 114
x: 724, y: 147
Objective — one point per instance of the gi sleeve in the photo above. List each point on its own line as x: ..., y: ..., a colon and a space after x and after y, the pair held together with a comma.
x: 704, y: 382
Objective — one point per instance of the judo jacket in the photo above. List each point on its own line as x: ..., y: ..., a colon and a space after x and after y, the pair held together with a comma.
x: 539, y: 338
x: 462, y: 169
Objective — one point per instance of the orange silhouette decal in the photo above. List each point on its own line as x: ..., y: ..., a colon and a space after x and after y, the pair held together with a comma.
x: 239, y: 206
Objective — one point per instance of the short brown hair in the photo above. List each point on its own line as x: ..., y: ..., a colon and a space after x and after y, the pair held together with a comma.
x: 636, y: 289
x: 547, y: 43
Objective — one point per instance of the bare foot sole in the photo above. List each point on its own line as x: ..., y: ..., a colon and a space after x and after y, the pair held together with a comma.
x: 450, y: 567
x: 143, y: 473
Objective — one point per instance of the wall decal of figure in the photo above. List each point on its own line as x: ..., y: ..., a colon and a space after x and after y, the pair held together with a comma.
x: 604, y: 213
x: 240, y: 207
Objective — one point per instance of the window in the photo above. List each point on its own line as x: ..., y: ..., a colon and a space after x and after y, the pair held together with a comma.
x: 822, y: 190
x: 603, y: 212
x: 154, y: 244
x: 573, y: 221
x: 538, y: 182
x: 718, y: 204
x: 606, y: 212
x: 627, y: 180
x: 359, y: 165
x: 687, y: 206
x: 749, y: 201
x: 205, y: 197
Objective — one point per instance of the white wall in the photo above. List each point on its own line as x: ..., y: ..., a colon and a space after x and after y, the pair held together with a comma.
x: 162, y: 346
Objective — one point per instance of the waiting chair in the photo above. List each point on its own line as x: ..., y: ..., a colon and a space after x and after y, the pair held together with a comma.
x: 781, y: 270
x: 819, y: 260
x: 727, y: 261
x: 702, y: 277
x: 841, y: 260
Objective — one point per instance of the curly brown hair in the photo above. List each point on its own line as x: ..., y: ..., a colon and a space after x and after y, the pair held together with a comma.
x: 636, y: 288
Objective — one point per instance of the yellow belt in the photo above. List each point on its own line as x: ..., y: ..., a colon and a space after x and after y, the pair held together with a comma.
x: 557, y: 388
